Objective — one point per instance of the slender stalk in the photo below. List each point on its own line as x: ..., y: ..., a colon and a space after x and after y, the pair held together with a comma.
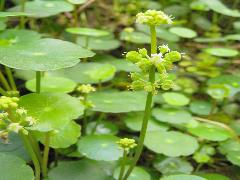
x: 35, y: 147
x: 75, y: 14
x: 45, y: 155
x: 32, y: 155
x: 4, y: 82
x: 38, y: 81
x: 2, y: 5
x: 84, y: 127
x: 148, y: 107
x: 22, y: 9
x: 10, y: 78
x: 123, y: 165
x: 3, y: 92
x: 97, y: 123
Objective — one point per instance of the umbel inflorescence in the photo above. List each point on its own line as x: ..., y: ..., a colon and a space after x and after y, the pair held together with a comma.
x: 13, y: 118
x: 163, y: 62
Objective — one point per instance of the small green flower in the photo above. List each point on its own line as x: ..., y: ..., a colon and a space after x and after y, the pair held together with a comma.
x: 21, y: 111
x: 15, y: 127
x: 153, y: 18
x: 86, y: 88
x: 126, y: 144
x: 8, y: 102
x: 30, y: 120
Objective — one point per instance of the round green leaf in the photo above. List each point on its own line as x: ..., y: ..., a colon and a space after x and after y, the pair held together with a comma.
x: 83, y: 169
x: 52, y: 84
x: 219, y: 7
x: 172, y: 165
x: 51, y: 110
x: 171, y: 143
x: 212, y: 176
x: 183, y: 32
x: 135, y: 37
x: 100, y: 147
x: 88, y: 32
x: 225, y: 79
x: 175, y: 99
x: 63, y: 137
x: 200, y: 107
x: 172, y: 115
x: 14, y: 147
x: 104, y: 127
x: 222, y: 52
x: 13, y: 14
x: 183, y: 177
x: 234, y: 158
x: 12, y: 37
x: 120, y: 64
x: 89, y: 73
x: 42, y: 9
x: 43, y: 55
x: 218, y: 91
x: 210, y: 132
x: 229, y: 146
x: 77, y: 1
x: 137, y: 174
x: 100, y: 43
x: 14, y: 168
x: 134, y: 122
x: 118, y: 102
x: 234, y: 37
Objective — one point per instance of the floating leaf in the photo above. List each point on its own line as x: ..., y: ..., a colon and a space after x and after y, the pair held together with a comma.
x: 100, y: 43
x: 234, y: 37
x: 225, y: 79
x: 200, y: 107
x: 14, y: 147
x: 172, y: 115
x: 234, y: 158
x: 175, y: 99
x: 136, y: 174
x: 63, y: 137
x: 183, y: 32
x: 199, y: 6
x: 43, y: 55
x: 171, y: 143
x: 83, y: 169
x: 104, y: 127
x: 100, y: 147
x: 88, y: 32
x: 210, y: 132
x: 42, y: 9
x: 13, y: 14
x: 222, y: 52
x: 89, y: 73
x: 135, y: 37
x: 51, y: 110
x: 117, y: 102
x: 229, y: 146
x: 219, y: 7
x: 77, y: 1
x: 134, y: 122
x: 172, y: 165
x: 120, y: 64
x: 14, y: 168
x: 218, y: 91
x: 52, y: 84
x: 183, y: 177
x: 212, y: 176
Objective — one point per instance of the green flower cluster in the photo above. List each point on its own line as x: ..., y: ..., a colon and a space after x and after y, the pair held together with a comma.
x: 13, y: 118
x: 153, y: 18
x: 126, y: 144
x: 86, y: 89
x: 163, y: 61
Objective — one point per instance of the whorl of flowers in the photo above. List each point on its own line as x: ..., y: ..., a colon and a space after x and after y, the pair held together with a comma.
x: 163, y: 61
x: 86, y: 89
x: 153, y: 18
x: 126, y: 144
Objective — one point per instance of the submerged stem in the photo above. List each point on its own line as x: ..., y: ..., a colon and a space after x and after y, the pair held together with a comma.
x: 148, y: 107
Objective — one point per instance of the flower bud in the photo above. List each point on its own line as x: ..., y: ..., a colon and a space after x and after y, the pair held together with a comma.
x: 126, y: 144
x: 173, y: 56
x: 143, y: 52
x: 86, y: 89
x: 15, y: 127
x: 133, y: 56
x: 164, y: 49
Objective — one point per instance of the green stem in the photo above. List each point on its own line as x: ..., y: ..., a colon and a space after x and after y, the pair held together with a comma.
x: 84, y: 127
x: 4, y: 82
x: 97, y: 123
x: 22, y: 9
x: 32, y: 154
x: 2, y: 5
x: 10, y: 78
x: 38, y: 81
x: 35, y: 147
x: 123, y: 165
x: 3, y: 92
x: 148, y: 107
x: 45, y: 155
x: 75, y: 14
